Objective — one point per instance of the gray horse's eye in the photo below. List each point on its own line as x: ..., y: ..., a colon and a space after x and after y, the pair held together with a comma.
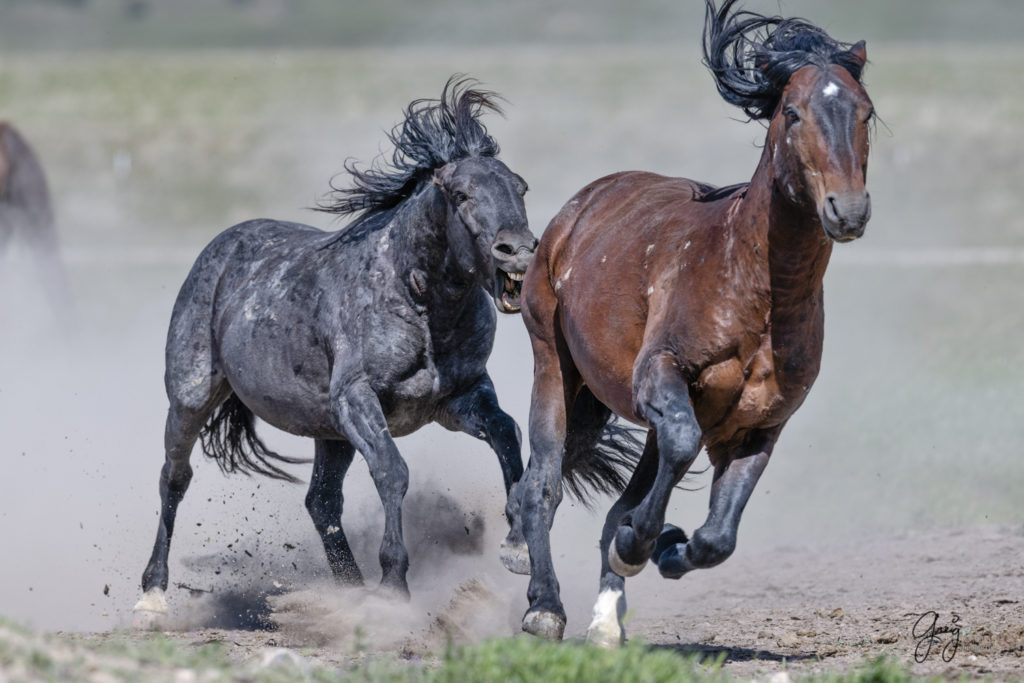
x: 459, y: 197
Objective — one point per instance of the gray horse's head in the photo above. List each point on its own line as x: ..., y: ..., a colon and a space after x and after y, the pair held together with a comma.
x: 487, y: 226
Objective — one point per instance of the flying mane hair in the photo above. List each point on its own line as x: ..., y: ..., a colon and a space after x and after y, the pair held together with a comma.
x: 434, y: 133
x: 752, y: 56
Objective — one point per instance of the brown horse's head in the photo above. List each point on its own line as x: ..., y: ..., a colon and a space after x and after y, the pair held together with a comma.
x: 807, y: 85
x: 819, y: 142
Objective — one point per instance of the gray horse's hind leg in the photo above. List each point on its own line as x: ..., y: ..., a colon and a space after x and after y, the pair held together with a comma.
x: 180, y: 434
x: 195, y: 387
x: 324, y: 502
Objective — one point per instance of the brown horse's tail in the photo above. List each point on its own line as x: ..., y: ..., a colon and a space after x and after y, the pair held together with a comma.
x: 601, y: 450
x: 229, y: 438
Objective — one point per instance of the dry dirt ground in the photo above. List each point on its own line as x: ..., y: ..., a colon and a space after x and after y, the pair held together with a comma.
x: 800, y: 610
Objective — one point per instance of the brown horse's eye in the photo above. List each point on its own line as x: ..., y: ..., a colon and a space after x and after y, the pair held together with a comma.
x: 791, y: 115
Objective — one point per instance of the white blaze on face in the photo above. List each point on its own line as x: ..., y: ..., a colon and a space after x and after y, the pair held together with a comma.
x: 830, y: 90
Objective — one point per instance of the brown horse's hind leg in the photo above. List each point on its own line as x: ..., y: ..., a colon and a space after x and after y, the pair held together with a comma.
x: 734, y: 481
x: 324, y: 502
x: 662, y: 399
x: 605, y: 629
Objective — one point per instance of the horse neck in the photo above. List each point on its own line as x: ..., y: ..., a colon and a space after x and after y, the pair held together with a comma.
x: 798, y: 250
x: 420, y: 250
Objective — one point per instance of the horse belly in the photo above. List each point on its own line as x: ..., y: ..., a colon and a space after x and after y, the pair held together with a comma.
x: 284, y: 386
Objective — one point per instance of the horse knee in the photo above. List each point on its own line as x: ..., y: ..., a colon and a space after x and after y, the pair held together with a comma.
x: 679, y: 438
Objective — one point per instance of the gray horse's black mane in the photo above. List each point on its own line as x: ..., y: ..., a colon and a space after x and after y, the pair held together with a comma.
x: 752, y: 56
x: 434, y: 133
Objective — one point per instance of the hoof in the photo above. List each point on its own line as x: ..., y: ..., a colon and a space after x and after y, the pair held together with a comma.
x: 547, y: 625
x: 627, y: 537
x: 605, y: 637
x: 605, y: 630
x: 515, y: 557
x: 669, y: 552
x: 150, y: 612
x: 396, y: 592
x: 670, y: 536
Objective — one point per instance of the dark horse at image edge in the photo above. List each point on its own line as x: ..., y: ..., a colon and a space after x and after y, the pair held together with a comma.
x: 26, y: 216
x: 692, y: 311
x: 353, y: 337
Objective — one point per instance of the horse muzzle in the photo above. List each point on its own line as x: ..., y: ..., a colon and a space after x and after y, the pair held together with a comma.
x: 512, y: 252
x: 845, y: 216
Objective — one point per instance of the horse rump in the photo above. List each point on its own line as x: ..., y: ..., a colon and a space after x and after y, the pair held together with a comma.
x: 229, y: 438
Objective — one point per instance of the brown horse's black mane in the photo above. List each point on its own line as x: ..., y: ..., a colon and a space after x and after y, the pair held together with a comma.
x: 433, y: 133
x: 752, y: 56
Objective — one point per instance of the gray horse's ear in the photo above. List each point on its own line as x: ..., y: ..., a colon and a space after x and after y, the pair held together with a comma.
x: 444, y: 174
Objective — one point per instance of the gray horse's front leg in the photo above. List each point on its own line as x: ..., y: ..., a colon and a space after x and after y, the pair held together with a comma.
x: 360, y: 419
x: 476, y: 412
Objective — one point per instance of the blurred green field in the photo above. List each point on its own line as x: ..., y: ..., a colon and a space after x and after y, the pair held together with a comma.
x: 916, y: 419
x: 189, y: 24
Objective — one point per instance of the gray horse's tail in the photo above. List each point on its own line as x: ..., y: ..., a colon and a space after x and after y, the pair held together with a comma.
x: 229, y: 438
x: 601, y: 450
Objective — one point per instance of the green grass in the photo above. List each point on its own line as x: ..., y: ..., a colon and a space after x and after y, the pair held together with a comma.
x: 25, y: 656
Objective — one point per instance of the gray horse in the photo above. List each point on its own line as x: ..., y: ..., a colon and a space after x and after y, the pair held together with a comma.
x: 357, y: 336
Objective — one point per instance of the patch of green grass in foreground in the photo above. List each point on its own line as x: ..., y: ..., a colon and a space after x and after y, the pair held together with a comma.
x: 27, y: 656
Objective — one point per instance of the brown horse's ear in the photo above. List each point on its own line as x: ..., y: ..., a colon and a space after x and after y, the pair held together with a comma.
x: 444, y: 174
x: 859, y: 51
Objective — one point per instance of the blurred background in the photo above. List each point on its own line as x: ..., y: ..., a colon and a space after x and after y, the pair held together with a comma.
x: 161, y: 123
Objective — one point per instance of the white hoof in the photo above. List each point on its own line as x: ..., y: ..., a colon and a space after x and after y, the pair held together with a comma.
x: 605, y: 630
x: 544, y: 625
x: 150, y: 612
x: 622, y: 568
x: 516, y: 558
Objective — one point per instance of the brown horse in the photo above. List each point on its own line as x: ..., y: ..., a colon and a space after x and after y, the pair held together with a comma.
x: 693, y: 311
x: 26, y: 216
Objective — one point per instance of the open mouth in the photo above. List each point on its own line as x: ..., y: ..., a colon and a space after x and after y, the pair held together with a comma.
x: 511, y: 291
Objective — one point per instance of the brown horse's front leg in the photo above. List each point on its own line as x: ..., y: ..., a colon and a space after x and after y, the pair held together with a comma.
x: 662, y: 399
x: 715, y: 540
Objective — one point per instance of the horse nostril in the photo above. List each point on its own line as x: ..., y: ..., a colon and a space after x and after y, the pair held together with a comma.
x: 831, y: 208
x: 505, y: 249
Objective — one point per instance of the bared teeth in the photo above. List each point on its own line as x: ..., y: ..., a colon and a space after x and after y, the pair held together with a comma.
x: 517, y: 277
